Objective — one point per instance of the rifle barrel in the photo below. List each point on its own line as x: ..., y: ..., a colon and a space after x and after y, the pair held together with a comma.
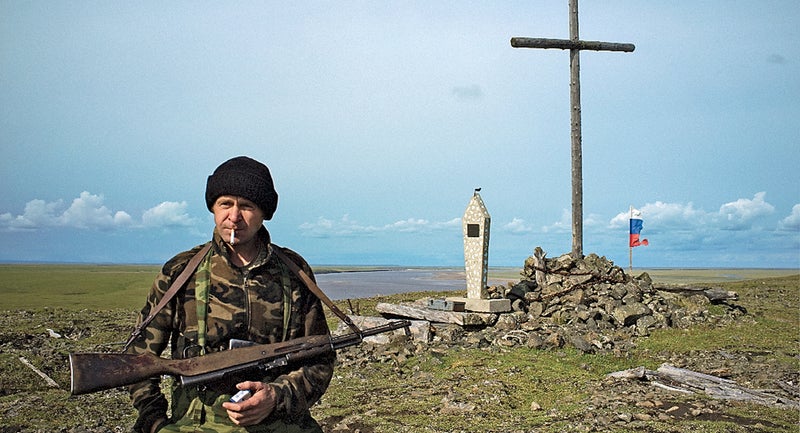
x: 306, y: 352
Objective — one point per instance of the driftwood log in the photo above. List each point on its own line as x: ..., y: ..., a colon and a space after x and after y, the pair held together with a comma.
x: 421, y: 312
x: 689, y: 382
x: 715, y: 295
x: 49, y: 381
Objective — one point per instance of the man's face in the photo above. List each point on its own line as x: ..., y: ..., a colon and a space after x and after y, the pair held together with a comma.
x: 238, y: 214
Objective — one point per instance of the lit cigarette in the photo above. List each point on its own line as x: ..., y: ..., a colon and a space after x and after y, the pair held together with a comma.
x: 233, y: 232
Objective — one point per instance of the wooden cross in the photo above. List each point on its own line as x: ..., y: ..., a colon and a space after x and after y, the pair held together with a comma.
x: 574, y: 45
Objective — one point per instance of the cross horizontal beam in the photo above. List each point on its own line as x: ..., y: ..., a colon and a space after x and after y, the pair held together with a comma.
x: 567, y: 44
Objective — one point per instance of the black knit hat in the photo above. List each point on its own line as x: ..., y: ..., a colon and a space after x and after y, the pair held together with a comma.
x: 243, y: 177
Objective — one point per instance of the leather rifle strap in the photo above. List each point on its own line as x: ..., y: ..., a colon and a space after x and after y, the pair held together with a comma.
x: 170, y: 293
x: 315, y: 289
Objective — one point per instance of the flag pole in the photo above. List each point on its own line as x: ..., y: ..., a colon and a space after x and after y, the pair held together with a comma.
x: 630, y: 248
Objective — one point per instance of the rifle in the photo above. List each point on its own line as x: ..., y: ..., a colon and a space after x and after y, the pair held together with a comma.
x: 91, y: 372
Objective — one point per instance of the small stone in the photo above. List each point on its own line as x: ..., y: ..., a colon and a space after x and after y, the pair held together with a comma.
x: 554, y: 340
x: 455, y: 407
x: 534, y: 341
x: 535, y: 309
x: 341, y: 428
x: 581, y: 344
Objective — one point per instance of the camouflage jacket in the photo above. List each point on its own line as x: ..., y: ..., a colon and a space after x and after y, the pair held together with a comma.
x: 244, y: 303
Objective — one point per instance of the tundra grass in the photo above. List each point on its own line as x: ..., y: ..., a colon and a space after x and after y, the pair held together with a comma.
x: 772, y: 323
x: 440, y: 390
x: 75, y: 286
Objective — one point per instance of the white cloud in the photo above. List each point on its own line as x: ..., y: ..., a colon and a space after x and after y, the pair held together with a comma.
x: 325, y: 228
x: 740, y: 214
x: 791, y: 222
x: 88, y: 211
x: 167, y: 214
x: 518, y: 226
x: 561, y: 226
x: 409, y: 225
x: 660, y: 214
x: 592, y: 220
x: 442, y: 225
x: 345, y: 226
x: 37, y: 213
x: 121, y: 218
x: 677, y: 231
x: 421, y: 225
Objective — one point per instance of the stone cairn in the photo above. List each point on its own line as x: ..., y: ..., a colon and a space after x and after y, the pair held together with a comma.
x: 591, y: 304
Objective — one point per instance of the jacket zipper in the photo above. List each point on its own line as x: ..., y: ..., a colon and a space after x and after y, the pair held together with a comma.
x: 247, y: 305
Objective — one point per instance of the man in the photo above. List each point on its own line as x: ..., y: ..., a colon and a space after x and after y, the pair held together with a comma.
x: 241, y: 289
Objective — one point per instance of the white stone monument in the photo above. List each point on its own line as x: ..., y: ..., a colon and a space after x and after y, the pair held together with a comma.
x: 475, y: 224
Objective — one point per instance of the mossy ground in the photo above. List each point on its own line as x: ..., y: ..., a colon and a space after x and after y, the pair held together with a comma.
x: 456, y: 389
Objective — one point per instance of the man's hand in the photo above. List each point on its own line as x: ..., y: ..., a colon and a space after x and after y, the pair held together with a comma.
x: 256, y: 408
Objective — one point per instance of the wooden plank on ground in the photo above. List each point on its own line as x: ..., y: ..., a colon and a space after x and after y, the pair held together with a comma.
x: 686, y: 381
x: 422, y: 313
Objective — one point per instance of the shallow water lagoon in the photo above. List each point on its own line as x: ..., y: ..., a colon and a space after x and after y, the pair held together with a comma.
x: 352, y: 285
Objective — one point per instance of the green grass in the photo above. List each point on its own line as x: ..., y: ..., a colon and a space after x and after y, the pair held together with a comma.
x: 95, y: 306
x: 773, y: 305
x: 75, y: 286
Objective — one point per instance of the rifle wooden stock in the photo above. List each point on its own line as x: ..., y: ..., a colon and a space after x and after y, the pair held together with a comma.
x: 91, y: 372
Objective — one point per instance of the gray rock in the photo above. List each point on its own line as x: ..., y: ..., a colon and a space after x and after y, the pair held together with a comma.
x: 581, y: 344
x: 628, y: 314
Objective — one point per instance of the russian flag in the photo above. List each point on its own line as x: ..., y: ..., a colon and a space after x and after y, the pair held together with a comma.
x: 636, y: 229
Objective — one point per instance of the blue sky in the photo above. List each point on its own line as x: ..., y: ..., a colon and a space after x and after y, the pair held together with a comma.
x: 378, y: 119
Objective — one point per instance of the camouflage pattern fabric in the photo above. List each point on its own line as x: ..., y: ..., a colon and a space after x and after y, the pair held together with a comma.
x: 243, y: 303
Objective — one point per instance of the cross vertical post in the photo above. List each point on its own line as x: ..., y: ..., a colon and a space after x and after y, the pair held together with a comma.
x: 575, y: 46
x: 575, y: 122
